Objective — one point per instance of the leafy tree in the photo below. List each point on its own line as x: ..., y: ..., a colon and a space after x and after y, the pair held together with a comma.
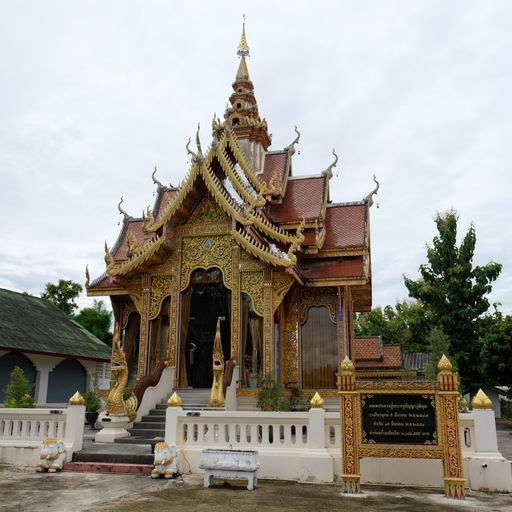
x: 438, y: 344
x: 497, y: 351
x: 97, y: 320
x: 19, y: 390
x: 63, y: 295
x: 408, y: 323
x: 454, y: 291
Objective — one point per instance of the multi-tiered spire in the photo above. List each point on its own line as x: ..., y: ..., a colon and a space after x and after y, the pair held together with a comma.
x: 242, y: 115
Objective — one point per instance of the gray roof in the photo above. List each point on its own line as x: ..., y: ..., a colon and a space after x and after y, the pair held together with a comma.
x: 36, y: 325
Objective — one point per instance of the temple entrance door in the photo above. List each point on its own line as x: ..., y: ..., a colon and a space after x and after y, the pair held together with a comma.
x: 209, y: 300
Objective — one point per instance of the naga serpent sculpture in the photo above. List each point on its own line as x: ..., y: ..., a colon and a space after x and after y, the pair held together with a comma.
x: 116, y: 405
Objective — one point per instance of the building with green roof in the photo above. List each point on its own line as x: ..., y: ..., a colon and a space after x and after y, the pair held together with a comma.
x: 56, y: 353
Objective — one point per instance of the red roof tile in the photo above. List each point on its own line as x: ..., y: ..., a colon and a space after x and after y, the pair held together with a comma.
x: 345, y: 225
x: 309, y: 237
x: 275, y: 163
x: 391, y: 356
x: 367, y: 349
x: 304, y: 198
x: 333, y: 269
x: 135, y: 227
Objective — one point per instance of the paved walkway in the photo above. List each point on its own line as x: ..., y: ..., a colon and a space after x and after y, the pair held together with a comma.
x: 28, y: 491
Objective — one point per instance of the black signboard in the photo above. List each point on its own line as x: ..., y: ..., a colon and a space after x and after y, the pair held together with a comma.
x: 398, y: 419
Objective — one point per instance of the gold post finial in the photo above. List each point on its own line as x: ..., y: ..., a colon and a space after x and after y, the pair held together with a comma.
x: 444, y: 364
x: 77, y: 399
x: 175, y: 400
x: 481, y: 401
x: 243, y: 47
x: 317, y: 402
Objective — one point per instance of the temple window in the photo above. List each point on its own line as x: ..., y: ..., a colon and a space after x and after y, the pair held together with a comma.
x: 251, y: 343
x: 319, y: 350
x: 236, y: 120
x: 238, y: 105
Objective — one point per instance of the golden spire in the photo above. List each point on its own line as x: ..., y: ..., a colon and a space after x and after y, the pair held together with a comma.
x: 481, y: 401
x: 243, y: 47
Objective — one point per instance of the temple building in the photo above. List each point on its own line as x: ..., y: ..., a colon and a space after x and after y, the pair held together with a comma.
x: 246, y: 240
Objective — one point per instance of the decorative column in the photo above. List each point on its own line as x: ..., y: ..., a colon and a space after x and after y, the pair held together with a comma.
x: 340, y: 325
x: 268, y: 323
x: 144, y: 324
x: 174, y: 319
x: 452, y: 453
x: 235, y: 305
x: 349, y: 411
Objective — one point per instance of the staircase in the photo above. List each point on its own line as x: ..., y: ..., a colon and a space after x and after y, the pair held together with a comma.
x: 134, y: 454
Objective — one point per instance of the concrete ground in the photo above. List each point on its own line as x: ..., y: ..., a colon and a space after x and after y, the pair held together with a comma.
x: 22, y: 489
x: 28, y: 491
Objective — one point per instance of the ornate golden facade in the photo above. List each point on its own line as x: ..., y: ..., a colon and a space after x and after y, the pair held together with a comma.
x: 269, y: 248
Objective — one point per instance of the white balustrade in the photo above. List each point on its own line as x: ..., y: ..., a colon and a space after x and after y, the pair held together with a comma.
x: 23, y: 430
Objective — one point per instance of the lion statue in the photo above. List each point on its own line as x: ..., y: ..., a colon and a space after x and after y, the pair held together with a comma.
x: 53, y: 456
x: 166, y: 458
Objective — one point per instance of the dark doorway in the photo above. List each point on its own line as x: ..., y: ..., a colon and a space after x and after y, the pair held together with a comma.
x: 209, y: 300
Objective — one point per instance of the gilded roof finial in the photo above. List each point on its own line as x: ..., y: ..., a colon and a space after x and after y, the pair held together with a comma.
x: 123, y: 212
x: 328, y: 171
x: 300, y: 231
x: 109, y: 259
x: 243, y: 47
x: 291, y: 147
x: 159, y: 185
x: 87, y: 277
x: 196, y: 158
x: 369, y: 197
x: 198, y: 142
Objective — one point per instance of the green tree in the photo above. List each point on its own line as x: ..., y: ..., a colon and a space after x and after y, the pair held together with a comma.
x: 18, y: 393
x: 497, y: 351
x: 454, y: 291
x: 97, y: 320
x: 63, y: 295
x: 438, y: 344
x: 408, y: 323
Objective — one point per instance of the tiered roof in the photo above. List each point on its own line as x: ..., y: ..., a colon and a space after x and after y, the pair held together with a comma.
x: 286, y: 221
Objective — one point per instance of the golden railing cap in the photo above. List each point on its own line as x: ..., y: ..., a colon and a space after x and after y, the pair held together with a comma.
x: 444, y: 364
x: 317, y: 402
x: 347, y: 364
x: 175, y: 400
x: 481, y: 401
x: 77, y: 399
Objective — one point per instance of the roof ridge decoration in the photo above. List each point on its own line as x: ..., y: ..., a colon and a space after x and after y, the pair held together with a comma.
x: 328, y: 171
x: 126, y: 215
x: 291, y: 147
x: 87, y: 277
x: 159, y: 185
x: 258, y: 250
x: 369, y: 198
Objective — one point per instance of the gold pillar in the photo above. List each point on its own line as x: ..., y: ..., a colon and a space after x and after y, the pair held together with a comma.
x: 452, y: 452
x: 349, y: 415
x: 268, y: 323
x: 340, y: 325
x: 235, y: 305
x: 144, y: 324
x: 175, y: 315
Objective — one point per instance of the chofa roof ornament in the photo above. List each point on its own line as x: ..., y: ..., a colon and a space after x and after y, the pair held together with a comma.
x: 291, y: 147
x: 123, y: 212
x: 198, y: 157
x: 328, y: 171
x: 369, y: 197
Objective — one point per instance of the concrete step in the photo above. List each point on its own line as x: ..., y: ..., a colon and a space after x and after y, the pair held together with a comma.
x: 147, y: 433
x: 139, y: 440
x: 153, y: 418
x: 107, y: 467
x: 126, y: 457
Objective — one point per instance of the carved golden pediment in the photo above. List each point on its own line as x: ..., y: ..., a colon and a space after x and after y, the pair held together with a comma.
x: 314, y: 297
x: 282, y: 282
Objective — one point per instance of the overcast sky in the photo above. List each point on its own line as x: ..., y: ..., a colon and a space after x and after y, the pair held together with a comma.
x: 94, y: 94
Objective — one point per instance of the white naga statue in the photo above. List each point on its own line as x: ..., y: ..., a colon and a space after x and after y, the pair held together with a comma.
x: 165, y: 462
x: 53, y: 456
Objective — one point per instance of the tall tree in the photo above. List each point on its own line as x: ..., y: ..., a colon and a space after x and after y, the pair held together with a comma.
x: 454, y: 291
x: 408, y: 323
x: 63, y: 295
x: 97, y: 320
x: 497, y: 351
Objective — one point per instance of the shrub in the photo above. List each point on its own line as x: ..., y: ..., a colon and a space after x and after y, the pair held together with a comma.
x: 271, y: 395
x: 19, y: 390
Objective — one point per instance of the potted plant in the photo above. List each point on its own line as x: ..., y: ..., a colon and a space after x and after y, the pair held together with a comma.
x: 92, y: 407
x: 270, y: 395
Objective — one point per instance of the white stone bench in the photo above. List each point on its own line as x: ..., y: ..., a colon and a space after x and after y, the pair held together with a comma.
x: 230, y: 464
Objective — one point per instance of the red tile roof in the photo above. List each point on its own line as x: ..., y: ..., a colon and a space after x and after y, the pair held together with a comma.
x: 367, y: 349
x: 303, y: 198
x: 332, y: 269
x: 167, y: 196
x: 135, y: 227
x: 345, y: 225
x: 369, y: 352
x: 275, y: 163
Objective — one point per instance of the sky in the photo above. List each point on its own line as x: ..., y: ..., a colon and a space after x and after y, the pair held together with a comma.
x: 94, y: 94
